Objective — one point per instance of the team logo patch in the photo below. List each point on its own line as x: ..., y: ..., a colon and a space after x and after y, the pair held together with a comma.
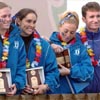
x: 77, y: 52
x: 16, y: 44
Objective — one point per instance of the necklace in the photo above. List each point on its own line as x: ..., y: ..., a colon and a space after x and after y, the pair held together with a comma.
x: 89, y: 49
x: 64, y: 44
x: 6, y: 43
x: 38, y: 52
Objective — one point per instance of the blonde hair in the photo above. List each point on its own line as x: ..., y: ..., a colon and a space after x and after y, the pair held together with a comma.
x: 69, y: 17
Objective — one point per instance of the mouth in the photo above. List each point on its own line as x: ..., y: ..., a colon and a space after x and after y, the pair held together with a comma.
x: 7, y: 25
x: 67, y: 39
x: 30, y: 30
x: 95, y: 25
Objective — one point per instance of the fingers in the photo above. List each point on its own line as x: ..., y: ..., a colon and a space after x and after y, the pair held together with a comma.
x: 28, y: 90
x: 13, y: 90
x: 60, y: 65
x: 41, y: 89
x: 64, y: 71
x: 10, y: 93
x: 57, y: 48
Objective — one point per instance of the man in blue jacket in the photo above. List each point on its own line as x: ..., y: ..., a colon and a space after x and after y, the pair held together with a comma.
x: 90, y: 37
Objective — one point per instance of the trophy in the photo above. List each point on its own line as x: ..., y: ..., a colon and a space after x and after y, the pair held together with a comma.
x: 35, y: 76
x: 4, y: 81
x: 63, y: 58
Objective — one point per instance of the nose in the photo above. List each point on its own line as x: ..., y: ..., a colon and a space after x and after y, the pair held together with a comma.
x: 8, y: 18
x: 32, y: 24
x: 96, y: 19
x: 68, y: 35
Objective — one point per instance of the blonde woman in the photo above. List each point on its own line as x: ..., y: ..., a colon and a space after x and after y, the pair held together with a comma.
x: 75, y: 79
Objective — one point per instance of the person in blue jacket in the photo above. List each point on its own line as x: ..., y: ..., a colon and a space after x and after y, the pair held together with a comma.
x: 90, y: 37
x: 12, y: 50
x: 39, y: 52
x: 74, y: 79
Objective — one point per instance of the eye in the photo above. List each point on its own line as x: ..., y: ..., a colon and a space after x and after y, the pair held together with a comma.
x: 9, y: 15
x: 34, y: 21
x: 29, y: 21
x: 72, y: 32
x: 4, y: 16
x: 92, y: 16
x: 98, y: 16
x: 63, y: 34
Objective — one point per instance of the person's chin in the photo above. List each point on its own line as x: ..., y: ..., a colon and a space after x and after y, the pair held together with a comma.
x: 29, y: 33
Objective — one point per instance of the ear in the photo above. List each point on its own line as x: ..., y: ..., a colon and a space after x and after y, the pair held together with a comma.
x: 84, y: 19
x: 18, y: 21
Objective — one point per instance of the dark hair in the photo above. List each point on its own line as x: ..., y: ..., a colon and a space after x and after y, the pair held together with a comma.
x: 3, y: 5
x: 90, y: 6
x: 24, y: 12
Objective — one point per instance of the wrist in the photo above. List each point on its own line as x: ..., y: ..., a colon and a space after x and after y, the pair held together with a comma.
x: 47, y: 87
x: 50, y: 42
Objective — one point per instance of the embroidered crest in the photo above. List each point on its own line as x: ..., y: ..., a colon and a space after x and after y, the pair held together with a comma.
x: 16, y: 44
x: 77, y: 52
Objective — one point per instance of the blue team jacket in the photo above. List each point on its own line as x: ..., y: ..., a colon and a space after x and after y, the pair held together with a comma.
x: 16, y: 58
x: 48, y: 62
x: 94, y: 41
x: 81, y: 70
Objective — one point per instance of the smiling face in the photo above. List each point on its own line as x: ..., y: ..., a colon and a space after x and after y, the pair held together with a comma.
x: 5, y: 18
x: 27, y: 24
x: 67, y: 31
x: 92, y: 20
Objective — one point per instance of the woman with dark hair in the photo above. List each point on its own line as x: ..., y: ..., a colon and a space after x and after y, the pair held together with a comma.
x: 39, y: 52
